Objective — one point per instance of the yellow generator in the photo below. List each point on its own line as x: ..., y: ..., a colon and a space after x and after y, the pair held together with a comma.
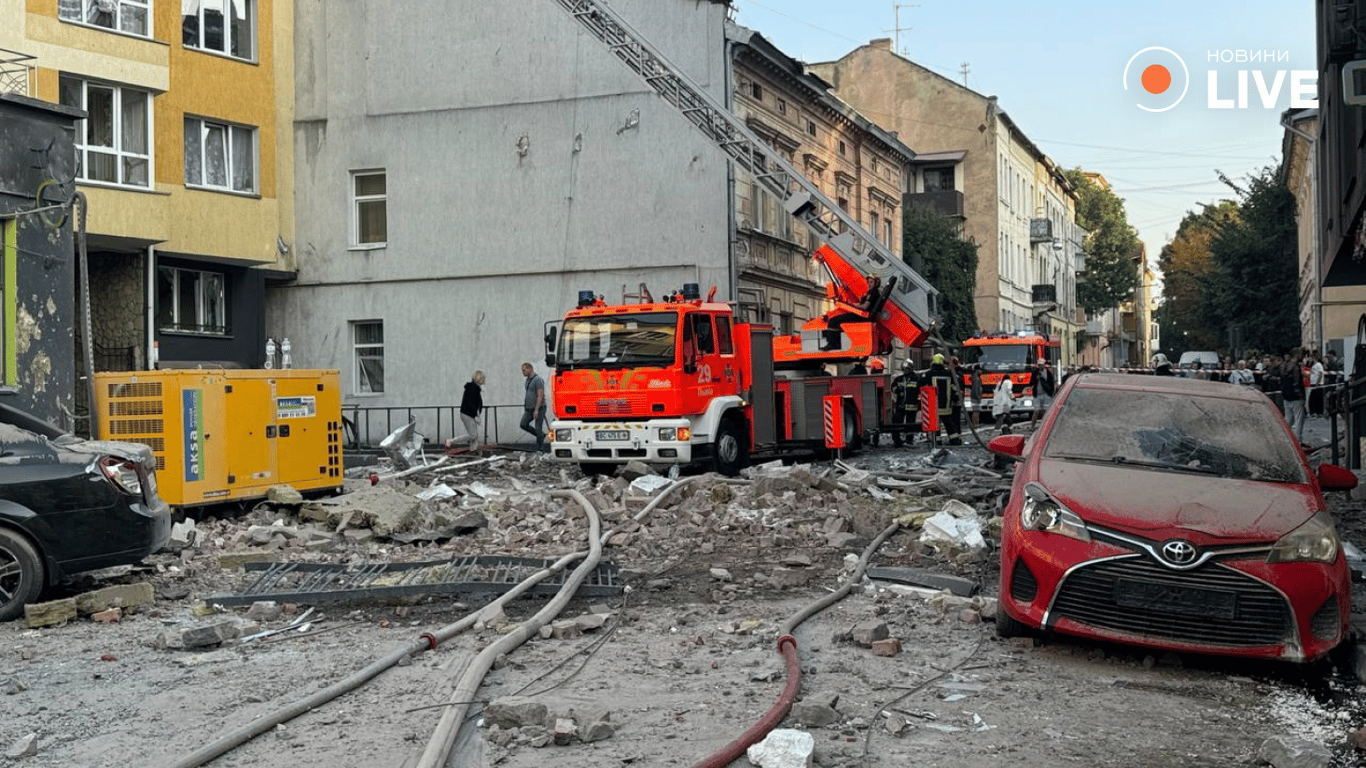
x: 223, y: 435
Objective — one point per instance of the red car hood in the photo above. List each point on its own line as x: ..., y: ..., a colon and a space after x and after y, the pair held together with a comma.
x: 1157, y: 504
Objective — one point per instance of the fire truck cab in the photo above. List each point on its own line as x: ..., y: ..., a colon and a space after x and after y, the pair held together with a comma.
x: 1001, y: 354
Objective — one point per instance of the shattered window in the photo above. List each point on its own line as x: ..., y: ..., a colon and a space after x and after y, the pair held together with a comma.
x: 223, y: 26
x: 112, y: 141
x: 368, y: 340
x: 612, y: 341
x: 191, y: 301
x: 1177, y: 432
x: 123, y: 15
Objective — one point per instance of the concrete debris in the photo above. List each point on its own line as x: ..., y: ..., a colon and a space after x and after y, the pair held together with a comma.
x: 1357, y: 738
x: 183, y: 534
x: 924, y: 578
x: 216, y: 632
x: 888, y: 647
x: 814, y: 714
x: 515, y: 712
x: 566, y: 730
x: 783, y: 748
x: 1294, y: 752
x: 265, y: 611
x: 956, y: 524
x: 649, y: 485
x: 24, y: 746
x: 284, y: 495
x: 438, y: 491
x: 869, y: 632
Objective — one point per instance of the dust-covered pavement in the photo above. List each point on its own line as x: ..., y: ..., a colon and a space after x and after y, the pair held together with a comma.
x: 663, y: 674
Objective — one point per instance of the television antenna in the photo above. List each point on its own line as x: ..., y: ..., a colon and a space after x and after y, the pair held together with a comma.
x: 897, y: 28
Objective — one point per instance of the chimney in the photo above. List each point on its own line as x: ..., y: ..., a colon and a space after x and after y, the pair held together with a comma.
x: 881, y: 44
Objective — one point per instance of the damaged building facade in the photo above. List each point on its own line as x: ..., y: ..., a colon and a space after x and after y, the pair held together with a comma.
x: 444, y: 220
x: 37, y: 275
x: 180, y: 155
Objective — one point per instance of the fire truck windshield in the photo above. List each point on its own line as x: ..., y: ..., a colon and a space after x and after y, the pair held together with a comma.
x: 618, y: 341
x: 998, y: 357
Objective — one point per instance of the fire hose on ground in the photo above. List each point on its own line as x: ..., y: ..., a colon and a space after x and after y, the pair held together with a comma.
x: 787, y: 647
x: 427, y: 641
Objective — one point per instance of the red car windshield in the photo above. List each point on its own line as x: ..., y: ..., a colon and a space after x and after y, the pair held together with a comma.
x: 1175, y: 432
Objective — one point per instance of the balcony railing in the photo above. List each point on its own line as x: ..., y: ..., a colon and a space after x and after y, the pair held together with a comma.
x: 16, y: 72
x: 945, y: 202
x: 1044, y: 294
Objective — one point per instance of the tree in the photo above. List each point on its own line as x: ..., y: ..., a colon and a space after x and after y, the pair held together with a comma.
x: 1188, y: 267
x: 1111, y: 246
x: 1255, y: 284
x: 949, y: 264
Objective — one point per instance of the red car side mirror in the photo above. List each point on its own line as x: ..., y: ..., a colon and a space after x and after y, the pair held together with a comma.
x: 1333, y: 478
x: 1013, y: 445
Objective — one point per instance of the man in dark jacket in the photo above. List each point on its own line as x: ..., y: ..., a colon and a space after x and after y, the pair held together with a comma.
x: 1044, y: 383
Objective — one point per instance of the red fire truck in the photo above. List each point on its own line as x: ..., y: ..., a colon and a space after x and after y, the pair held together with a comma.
x: 1003, y: 354
x: 679, y: 379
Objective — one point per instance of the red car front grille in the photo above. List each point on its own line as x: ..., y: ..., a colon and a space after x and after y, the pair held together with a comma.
x: 1211, y: 604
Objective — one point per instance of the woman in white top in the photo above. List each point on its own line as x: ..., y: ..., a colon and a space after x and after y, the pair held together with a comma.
x: 1001, y: 402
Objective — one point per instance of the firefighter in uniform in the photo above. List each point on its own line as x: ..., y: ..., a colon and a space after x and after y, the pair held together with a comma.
x: 941, y: 378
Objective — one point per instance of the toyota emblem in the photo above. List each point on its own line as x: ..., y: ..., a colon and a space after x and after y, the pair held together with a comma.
x: 1178, y: 552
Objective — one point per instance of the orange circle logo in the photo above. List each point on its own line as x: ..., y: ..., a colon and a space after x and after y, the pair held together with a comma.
x: 1156, y: 79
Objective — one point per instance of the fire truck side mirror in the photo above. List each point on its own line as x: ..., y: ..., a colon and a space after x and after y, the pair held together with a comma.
x: 550, y: 338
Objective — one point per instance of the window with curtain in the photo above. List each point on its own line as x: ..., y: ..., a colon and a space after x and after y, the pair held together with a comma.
x: 222, y: 26
x: 220, y: 156
x: 368, y: 347
x: 128, y: 16
x: 369, y: 208
x: 112, y: 140
x: 192, y: 301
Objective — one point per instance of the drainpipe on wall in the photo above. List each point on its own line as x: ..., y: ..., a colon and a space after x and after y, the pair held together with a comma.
x: 1313, y: 218
x: 732, y: 268
x: 87, y: 343
x: 149, y: 309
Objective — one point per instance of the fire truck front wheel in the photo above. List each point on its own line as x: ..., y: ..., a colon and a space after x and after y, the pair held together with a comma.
x: 729, y: 451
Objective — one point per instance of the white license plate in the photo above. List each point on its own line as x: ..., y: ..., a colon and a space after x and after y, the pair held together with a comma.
x: 614, y: 434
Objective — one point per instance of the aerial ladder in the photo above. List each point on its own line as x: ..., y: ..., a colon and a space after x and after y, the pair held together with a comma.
x: 874, y: 295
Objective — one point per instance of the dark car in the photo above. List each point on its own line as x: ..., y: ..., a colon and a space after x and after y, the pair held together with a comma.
x: 69, y: 505
x: 1175, y: 514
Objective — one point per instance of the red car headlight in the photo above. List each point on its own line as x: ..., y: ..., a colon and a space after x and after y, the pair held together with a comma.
x: 122, y: 473
x: 1042, y: 512
x: 1316, y: 541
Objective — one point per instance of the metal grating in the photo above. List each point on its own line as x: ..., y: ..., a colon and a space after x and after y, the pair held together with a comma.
x: 1242, y: 611
x: 136, y: 427
x: 135, y: 408
x: 136, y: 389
x: 316, y: 583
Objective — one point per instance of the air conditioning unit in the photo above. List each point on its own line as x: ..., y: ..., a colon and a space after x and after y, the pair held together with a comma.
x: 1354, y: 82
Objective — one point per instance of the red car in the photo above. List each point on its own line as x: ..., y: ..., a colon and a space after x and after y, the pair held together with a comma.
x: 1175, y: 514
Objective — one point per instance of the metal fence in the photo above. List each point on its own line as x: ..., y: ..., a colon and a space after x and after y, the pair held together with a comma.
x: 366, y: 426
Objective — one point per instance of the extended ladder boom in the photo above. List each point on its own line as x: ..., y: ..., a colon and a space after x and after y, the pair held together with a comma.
x: 801, y: 198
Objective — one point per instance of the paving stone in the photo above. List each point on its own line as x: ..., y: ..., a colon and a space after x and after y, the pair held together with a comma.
x: 211, y: 633
x: 597, y: 731
x: 590, y: 621
x: 264, y: 610
x: 565, y: 630
x: 786, y: 578
x: 110, y: 616
x: 889, y: 647
x: 565, y: 730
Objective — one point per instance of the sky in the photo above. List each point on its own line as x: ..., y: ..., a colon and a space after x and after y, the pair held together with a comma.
x: 1058, y: 69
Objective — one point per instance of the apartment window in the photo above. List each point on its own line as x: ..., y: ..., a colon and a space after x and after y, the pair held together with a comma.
x: 811, y: 127
x: 223, y: 26
x: 220, y: 156
x: 120, y: 15
x: 873, y: 223
x: 192, y: 301
x: 842, y: 148
x: 782, y: 107
x: 112, y: 141
x: 756, y: 91
x: 939, y: 179
x: 367, y: 339
x: 369, y: 208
